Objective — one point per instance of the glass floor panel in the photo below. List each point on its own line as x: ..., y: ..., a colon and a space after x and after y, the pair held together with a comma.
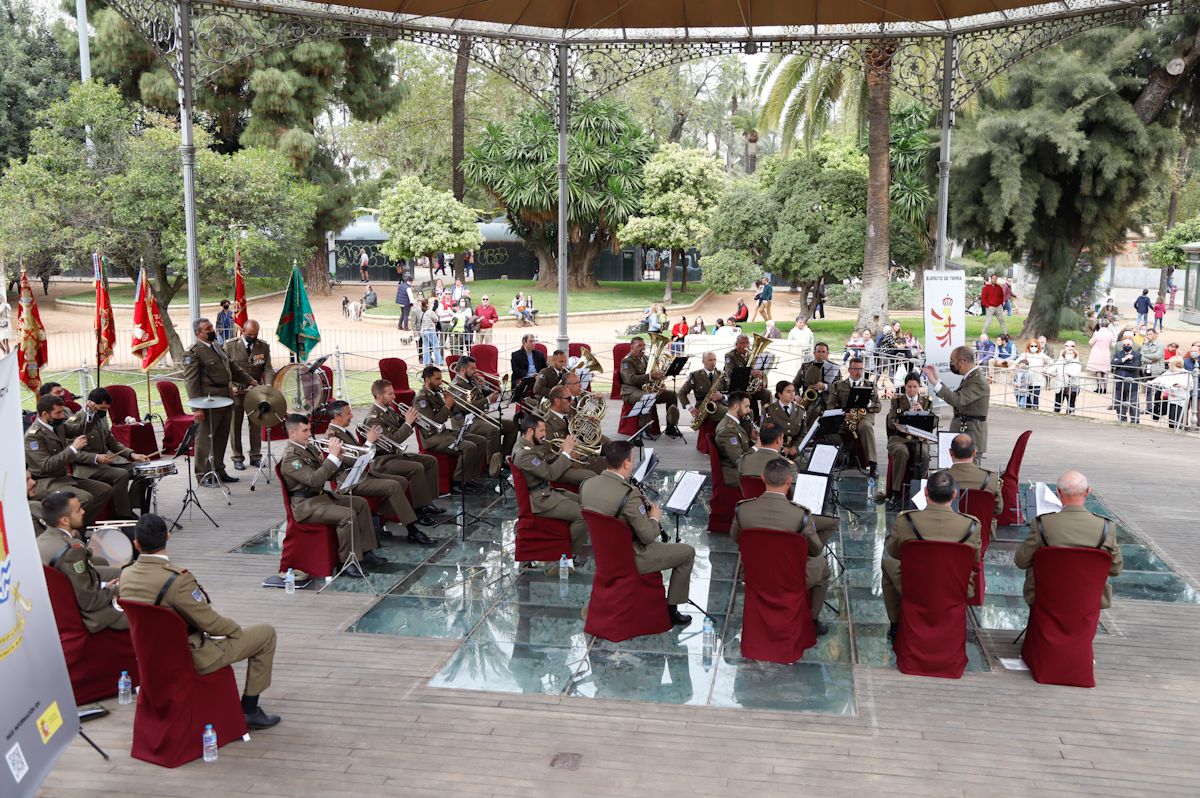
x: 523, y: 630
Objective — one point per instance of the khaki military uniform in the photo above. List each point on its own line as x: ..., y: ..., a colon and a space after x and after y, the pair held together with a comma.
x: 306, y: 473
x: 473, y: 449
x: 775, y: 511
x: 35, y: 513
x: 754, y: 461
x: 255, y: 362
x: 88, y: 576
x: 392, y: 489
x: 500, y: 439
x: 1071, y: 526
x: 933, y: 523
x: 49, y: 458
x: 733, y: 441
x: 809, y: 375
x: 901, y: 446
x: 421, y: 470
x: 970, y: 402
x: 609, y: 494
x: 116, y: 476
x: 540, y: 466
x: 634, y: 376
x: 735, y: 359
x: 840, y: 397
x: 207, y: 371
x: 559, y: 427
x: 700, y: 383
x: 971, y: 477
x: 791, y: 420
x: 547, y: 379
x: 215, y: 641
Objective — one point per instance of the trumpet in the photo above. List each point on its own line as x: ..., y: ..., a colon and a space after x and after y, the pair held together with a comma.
x: 357, y: 451
x: 462, y: 397
x: 383, y: 443
x: 588, y: 452
x: 425, y: 423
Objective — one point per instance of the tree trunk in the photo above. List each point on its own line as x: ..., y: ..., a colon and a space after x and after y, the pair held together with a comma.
x: 316, y: 273
x: 1173, y: 206
x: 874, y: 302
x: 670, y: 279
x: 1162, y: 84
x: 1055, y: 269
x: 581, y: 262
x: 458, y: 125
x: 683, y: 272
x: 751, y: 154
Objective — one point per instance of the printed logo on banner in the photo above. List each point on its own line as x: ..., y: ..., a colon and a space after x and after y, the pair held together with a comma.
x: 13, y: 608
x: 943, y: 322
x: 49, y: 722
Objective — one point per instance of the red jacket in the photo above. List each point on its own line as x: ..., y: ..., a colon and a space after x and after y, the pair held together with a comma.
x: 992, y: 296
x: 487, y: 316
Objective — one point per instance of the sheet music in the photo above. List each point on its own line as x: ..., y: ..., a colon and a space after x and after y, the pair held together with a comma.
x: 645, y: 466
x: 810, y: 492
x: 944, y: 438
x: 643, y: 406
x: 918, y: 497
x: 823, y: 458
x: 685, y: 491
x: 357, y: 470
x: 1047, y: 501
x: 917, y: 432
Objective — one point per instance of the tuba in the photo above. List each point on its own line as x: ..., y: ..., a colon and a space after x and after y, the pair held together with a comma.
x: 657, y: 359
x: 586, y: 361
x: 759, y: 345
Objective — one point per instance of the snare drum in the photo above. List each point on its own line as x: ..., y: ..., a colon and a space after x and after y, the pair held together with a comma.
x: 155, y: 469
x: 112, y: 544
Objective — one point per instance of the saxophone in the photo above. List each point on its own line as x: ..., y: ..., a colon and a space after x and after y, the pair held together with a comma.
x: 709, y: 405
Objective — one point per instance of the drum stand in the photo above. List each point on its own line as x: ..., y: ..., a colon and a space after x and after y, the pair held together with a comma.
x: 190, y: 497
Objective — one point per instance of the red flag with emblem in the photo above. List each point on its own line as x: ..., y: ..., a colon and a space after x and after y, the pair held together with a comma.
x: 240, y: 314
x: 149, y: 332
x: 106, y: 326
x: 32, y: 349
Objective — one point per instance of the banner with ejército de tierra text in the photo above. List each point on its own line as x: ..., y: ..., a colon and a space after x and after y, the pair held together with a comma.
x: 38, y: 719
x: 945, y: 320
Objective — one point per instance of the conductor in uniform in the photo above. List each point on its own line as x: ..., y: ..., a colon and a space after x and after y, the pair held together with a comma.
x: 774, y: 510
x: 98, y: 456
x: 733, y: 439
x: 1072, y: 526
x: 207, y: 371
x: 904, y: 448
x: 92, y: 578
x: 611, y: 494
x: 215, y: 641
x: 540, y: 465
x: 306, y: 472
x: 970, y: 399
x: 48, y: 454
x: 254, y: 357
x: 938, y: 521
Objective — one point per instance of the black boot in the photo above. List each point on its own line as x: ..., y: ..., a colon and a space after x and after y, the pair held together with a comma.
x: 256, y: 718
x: 415, y: 535
x: 893, y: 629
x: 677, y: 617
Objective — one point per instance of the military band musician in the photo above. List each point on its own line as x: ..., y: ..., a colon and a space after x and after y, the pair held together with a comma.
x: 905, y: 449
x: 634, y: 377
x: 421, y: 470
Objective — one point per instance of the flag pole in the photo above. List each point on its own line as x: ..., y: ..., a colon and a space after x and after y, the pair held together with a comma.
x: 99, y: 282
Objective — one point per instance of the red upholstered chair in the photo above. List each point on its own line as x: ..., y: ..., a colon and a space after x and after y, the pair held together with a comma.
x: 1010, y: 481
x: 139, y: 437
x: 395, y: 371
x: 487, y: 358
x: 175, y: 703
x: 307, y: 547
x: 777, y: 625
x: 619, y: 353
x: 752, y: 487
x: 538, y: 539
x: 542, y: 348
x: 71, y: 401
x: 451, y: 365
x: 624, y: 603
x: 708, y: 429
x: 724, y: 498
x: 275, y: 433
x: 982, y: 505
x: 628, y: 426
x: 1062, y: 621
x: 932, y: 640
x: 575, y: 349
x: 175, y: 420
x: 95, y: 661
x: 447, y: 463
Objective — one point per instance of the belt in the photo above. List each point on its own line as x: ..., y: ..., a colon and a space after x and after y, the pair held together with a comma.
x: 304, y: 494
x: 971, y: 418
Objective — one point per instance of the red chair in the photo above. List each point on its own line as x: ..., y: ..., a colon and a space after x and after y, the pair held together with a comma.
x: 1062, y: 621
x: 1010, y: 481
x: 307, y: 547
x: 982, y: 505
x: 538, y: 539
x: 94, y: 660
x: 275, y: 433
x: 623, y: 603
x: 175, y: 420
x: 451, y: 364
x: 576, y: 349
x: 777, y: 625
x: 487, y: 359
x: 139, y: 437
x: 724, y: 498
x: 395, y: 371
x: 542, y: 348
x: 628, y: 426
x: 708, y: 429
x: 619, y: 353
x: 71, y: 401
x: 753, y: 487
x: 175, y: 703
x: 932, y: 640
x: 447, y: 464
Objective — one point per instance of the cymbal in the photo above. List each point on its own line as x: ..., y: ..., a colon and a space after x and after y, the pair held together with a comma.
x: 209, y: 402
x: 269, y: 416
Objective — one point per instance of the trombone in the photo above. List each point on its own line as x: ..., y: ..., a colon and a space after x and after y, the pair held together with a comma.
x: 383, y: 442
x: 462, y: 397
x: 426, y: 423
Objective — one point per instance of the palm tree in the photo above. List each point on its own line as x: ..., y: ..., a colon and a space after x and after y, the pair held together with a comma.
x: 749, y: 123
x: 800, y: 96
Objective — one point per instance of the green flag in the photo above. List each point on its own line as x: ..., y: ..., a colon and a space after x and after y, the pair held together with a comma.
x: 297, y: 329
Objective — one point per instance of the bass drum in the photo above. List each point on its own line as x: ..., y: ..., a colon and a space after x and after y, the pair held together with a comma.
x: 304, y: 392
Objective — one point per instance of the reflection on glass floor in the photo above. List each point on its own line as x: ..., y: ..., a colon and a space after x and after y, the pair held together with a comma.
x: 523, y: 630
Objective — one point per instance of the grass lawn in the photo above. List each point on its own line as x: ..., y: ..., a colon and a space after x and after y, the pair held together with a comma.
x: 612, y: 295
x: 837, y: 332
x: 255, y: 286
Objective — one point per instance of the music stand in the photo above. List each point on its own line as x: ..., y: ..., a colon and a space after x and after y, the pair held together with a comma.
x: 460, y: 519
x: 673, y: 371
x: 739, y: 378
x: 190, y: 496
x: 860, y: 398
x: 522, y: 388
x: 649, y: 461
x: 357, y: 471
x: 642, y: 407
x: 680, y: 502
x: 636, y: 438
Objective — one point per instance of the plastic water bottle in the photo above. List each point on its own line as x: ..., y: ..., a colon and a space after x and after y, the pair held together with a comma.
x: 564, y: 572
x: 709, y: 636
x: 124, y: 689
x: 870, y: 487
x: 209, y: 740
x: 289, y: 582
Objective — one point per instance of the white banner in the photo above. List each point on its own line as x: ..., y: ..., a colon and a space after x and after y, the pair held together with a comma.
x: 37, y: 707
x: 945, y: 319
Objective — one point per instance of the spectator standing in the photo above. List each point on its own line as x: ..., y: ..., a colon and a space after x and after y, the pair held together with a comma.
x: 802, y: 334
x: 1172, y: 389
x: 463, y: 326
x: 224, y: 322
x: 405, y: 298
x: 991, y: 299
x: 1126, y: 368
x: 469, y: 265
x: 1010, y: 296
x: 767, y: 293
x: 5, y: 324
x: 1191, y: 364
x: 819, y: 312
x: 364, y: 260
x: 757, y: 299
x: 1160, y: 313
x: 679, y: 332
x: 1142, y: 306
x: 1038, y: 362
x: 1100, y: 358
x: 414, y: 322
x: 1022, y: 384
x: 431, y: 352
x: 486, y: 318
x: 1065, y: 374
x: 441, y: 264
x: 1153, y: 365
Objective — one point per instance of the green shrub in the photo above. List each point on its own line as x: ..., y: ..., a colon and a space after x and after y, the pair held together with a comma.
x: 901, y: 296
x: 999, y: 262
x: 973, y: 268
x: 976, y: 254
